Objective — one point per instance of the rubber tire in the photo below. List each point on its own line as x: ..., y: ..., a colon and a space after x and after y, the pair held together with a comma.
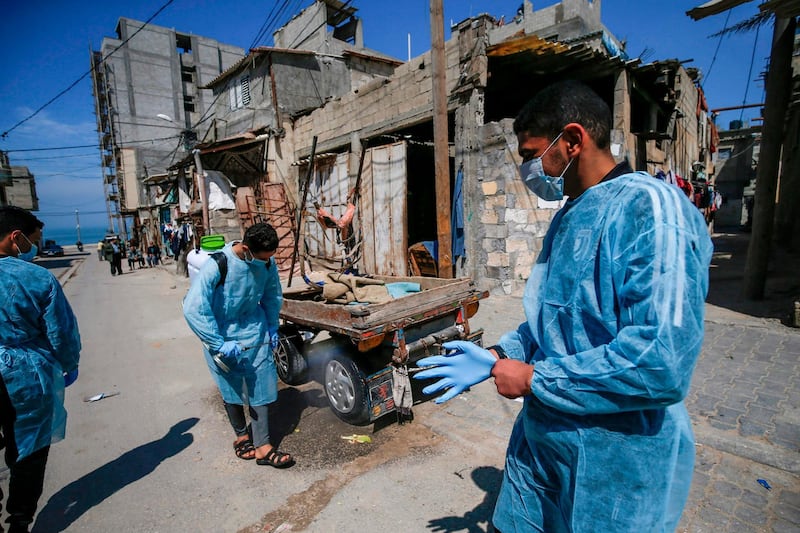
x: 292, y: 367
x: 346, y: 390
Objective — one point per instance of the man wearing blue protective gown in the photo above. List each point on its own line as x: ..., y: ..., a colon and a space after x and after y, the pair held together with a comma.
x: 614, y: 324
x: 236, y: 318
x: 39, y: 353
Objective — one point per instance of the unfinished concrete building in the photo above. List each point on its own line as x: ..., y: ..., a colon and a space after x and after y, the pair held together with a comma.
x: 142, y: 127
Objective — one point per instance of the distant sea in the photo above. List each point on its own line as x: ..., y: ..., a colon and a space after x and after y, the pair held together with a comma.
x: 66, y: 236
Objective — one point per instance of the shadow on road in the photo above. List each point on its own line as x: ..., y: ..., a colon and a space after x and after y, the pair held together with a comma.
x: 71, y: 502
x: 487, y: 478
x: 727, y: 277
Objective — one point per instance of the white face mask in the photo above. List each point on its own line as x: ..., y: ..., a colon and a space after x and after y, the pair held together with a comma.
x: 546, y: 187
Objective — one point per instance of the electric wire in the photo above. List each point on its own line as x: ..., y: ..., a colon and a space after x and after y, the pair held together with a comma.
x: 749, y: 74
x: 85, y: 74
x: 264, y: 26
x: 141, y: 141
x: 719, y: 43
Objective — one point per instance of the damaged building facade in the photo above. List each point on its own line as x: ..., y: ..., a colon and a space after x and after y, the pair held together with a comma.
x: 660, y: 124
x: 367, y: 119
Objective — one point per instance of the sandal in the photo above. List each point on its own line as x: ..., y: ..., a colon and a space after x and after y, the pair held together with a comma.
x: 276, y: 459
x: 245, y: 450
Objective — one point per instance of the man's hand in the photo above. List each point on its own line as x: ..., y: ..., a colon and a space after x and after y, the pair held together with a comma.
x: 230, y: 349
x: 512, y: 378
x: 274, y: 339
x: 468, y: 366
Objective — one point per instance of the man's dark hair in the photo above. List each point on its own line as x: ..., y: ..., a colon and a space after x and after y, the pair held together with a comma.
x: 261, y: 237
x: 552, y: 108
x: 15, y: 218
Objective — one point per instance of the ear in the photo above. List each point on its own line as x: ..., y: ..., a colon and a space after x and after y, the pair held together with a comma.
x: 576, y: 138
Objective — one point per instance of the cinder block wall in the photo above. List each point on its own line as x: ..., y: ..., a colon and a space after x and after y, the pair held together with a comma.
x: 509, y: 224
x: 376, y: 107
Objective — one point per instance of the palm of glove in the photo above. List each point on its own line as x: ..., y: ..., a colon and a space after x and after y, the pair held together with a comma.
x: 230, y: 349
x: 468, y: 366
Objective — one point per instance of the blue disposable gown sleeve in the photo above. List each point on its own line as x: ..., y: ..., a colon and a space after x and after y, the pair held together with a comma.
x: 197, y: 306
x: 62, y: 328
x: 272, y: 297
x: 518, y: 343
x: 658, y: 264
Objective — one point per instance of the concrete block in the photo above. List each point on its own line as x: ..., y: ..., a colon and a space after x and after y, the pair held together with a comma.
x: 498, y: 200
x: 489, y: 216
x: 517, y: 245
x: 518, y: 216
x: 497, y: 259
x: 496, y: 231
x: 489, y: 188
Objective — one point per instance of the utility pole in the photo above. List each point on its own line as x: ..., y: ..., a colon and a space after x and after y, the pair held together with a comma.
x: 778, y: 91
x: 441, y: 151
x: 201, y: 184
x: 78, y: 225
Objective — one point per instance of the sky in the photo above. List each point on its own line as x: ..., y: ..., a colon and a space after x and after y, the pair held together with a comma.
x: 46, y: 49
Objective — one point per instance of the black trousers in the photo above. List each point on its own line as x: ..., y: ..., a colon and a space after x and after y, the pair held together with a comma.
x: 26, y: 475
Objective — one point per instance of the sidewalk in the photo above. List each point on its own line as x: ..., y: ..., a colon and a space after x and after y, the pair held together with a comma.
x: 745, y: 400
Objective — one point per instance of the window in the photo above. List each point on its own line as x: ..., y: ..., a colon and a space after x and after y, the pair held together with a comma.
x: 239, y: 92
x: 183, y: 43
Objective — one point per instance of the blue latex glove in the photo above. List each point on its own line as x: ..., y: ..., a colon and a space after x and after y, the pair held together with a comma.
x: 468, y: 366
x: 230, y: 349
x: 274, y: 339
x: 70, y: 377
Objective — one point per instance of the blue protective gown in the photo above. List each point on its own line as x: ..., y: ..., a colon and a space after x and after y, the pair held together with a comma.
x: 39, y: 341
x: 244, y: 309
x: 614, y: 308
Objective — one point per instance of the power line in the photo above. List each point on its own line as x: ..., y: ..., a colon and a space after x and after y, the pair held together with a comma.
x: 713, y: 59
x: 267, y: 22
x: 76, y: 82
x: 93, y: 154
x: 92, y: 145
x: 749, y: 74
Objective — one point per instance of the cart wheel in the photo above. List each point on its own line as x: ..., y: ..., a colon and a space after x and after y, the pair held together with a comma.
x: 292, y: 367
x: 346, y: 390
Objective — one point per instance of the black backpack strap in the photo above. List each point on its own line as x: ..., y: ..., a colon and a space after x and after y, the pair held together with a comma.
x: 222, y: 265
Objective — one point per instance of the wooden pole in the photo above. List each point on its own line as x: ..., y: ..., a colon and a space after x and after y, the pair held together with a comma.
x: 440, y: 140
x: 778, y: 91
x: 301, y: 209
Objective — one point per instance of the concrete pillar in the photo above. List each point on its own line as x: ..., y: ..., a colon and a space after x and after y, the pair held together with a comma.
x: 621, y: 125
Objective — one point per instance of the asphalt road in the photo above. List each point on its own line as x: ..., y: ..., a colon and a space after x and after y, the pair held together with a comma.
x: 158, y: 456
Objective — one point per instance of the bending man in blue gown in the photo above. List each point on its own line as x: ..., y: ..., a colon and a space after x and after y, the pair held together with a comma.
x: 236, y: 318
x: 614, y: 325
x: 39, y: 353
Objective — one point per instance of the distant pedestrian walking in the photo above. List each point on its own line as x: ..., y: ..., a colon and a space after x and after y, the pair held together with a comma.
x: 112, y: 251
x: 100, y: 251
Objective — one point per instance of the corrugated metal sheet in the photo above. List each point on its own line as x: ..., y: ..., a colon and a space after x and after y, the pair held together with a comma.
x: 534, y: 55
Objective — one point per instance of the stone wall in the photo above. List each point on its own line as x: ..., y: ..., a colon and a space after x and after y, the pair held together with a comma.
x: 510, y: 222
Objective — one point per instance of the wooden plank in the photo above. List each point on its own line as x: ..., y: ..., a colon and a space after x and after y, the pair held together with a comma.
x: 368, y: 209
